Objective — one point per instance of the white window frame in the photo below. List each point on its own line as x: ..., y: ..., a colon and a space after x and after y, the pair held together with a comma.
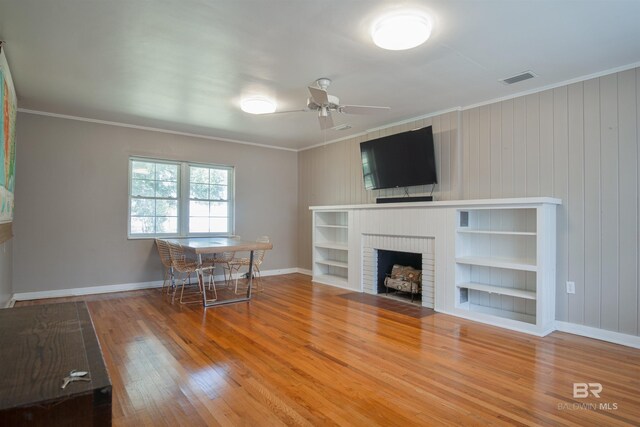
x: 184, y: 201
x: 184, y: 198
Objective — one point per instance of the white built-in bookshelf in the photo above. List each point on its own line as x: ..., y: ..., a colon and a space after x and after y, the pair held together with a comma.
x: 494, y: 260
x: 500, y: 274
x: 331, y: 247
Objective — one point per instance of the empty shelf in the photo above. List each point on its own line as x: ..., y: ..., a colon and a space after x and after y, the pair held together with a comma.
x: 513, y: 264
x: 332, y: 263
x: 519, y: 293
x: 503, y: 233
x: 332, y: 245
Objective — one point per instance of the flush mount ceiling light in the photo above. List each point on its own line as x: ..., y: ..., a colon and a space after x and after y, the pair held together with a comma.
x: 401, y: 31
x: 258, y: 105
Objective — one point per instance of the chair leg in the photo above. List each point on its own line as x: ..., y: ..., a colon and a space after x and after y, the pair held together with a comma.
x: 227, y: 269
x: 173, y: 294
x: 164, y: 281
x: 167, y: 280
x: 182, y: 292
x: 200, y: 285
x: 175, y: 286
x: 186, y: 279
x: 224, y: 273
x: 212, y: 283
x: 258, y: 275
x: 237, y: 275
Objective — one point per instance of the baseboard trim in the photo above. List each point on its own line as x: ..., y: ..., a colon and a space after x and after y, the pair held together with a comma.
x: 599, y: 334
x: 304, y: 271
x: 280, y: 271
x: 105, y: 289
x: 10, y: 303
x: 265, y: 273
x: 506, y: 324
x: 123, y: 287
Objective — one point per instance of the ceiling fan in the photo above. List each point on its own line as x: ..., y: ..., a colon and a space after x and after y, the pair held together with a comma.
x: 325, y: 104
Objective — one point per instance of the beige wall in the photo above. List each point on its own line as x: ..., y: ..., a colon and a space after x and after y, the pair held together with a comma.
x: 71, y: 201
x: 6, y: 261
x: 332, y: 174
x: 578, y: 143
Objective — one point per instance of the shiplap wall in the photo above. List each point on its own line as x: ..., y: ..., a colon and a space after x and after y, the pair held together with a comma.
x: 578, y: 143
x: 332, y: 174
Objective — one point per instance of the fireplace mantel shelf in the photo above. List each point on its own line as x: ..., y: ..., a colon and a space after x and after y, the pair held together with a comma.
x: 447, y: 204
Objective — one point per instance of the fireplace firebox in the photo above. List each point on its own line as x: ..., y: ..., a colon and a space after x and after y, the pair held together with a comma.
x: 387, y: 259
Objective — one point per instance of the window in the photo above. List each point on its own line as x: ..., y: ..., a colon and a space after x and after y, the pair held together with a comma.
x: 208, y: 200
x: 179, y: 198
x: 154, y: 198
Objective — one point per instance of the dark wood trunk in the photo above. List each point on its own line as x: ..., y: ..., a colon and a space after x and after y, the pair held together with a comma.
x: 39, y: 346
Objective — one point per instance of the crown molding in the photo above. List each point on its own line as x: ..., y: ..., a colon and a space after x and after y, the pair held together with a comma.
x: 385, y: 126
x: 152, y: 129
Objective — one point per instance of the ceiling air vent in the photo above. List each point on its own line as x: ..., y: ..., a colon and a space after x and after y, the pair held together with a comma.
x: 525, y: 75
x: 342, y: 127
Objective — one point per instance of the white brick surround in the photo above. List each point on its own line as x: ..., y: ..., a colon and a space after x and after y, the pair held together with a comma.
x: 422, y: 245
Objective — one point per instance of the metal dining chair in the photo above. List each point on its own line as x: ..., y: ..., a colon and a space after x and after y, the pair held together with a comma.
x: 236, y: 264
x: 184, y: 263
x: 165, y: 258
x: 221, y: 259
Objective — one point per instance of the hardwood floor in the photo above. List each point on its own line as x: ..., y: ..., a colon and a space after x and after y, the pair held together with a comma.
x: 299, y: 354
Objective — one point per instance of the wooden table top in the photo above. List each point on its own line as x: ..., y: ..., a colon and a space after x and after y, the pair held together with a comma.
x: 40, y: 345
x: 214, y: 245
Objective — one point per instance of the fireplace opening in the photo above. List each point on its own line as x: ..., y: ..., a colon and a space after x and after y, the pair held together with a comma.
x: 386, y: 261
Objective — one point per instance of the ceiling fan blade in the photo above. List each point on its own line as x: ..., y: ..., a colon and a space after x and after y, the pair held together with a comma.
x: 326, y: 122
x: 302, y: 110
x: 362, y: 109
x: 319, y: 95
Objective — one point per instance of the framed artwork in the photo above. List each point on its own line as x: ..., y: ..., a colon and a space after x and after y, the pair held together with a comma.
x: 8, y: 105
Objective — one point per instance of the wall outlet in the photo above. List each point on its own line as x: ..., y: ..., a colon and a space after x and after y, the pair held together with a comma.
x: 571, y: 287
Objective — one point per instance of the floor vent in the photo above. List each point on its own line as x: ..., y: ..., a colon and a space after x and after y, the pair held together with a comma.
x: 525, y: 75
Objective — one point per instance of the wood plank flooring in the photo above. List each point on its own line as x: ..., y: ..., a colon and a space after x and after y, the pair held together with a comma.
x: 300, y: 354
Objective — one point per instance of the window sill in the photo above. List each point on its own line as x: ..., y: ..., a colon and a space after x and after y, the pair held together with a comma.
x: 193, y: 236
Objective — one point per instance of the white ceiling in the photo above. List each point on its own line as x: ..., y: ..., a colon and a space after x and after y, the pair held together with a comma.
x: 183, y: 65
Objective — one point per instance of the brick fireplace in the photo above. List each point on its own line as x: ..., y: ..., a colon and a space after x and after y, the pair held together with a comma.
x: 422, y: 246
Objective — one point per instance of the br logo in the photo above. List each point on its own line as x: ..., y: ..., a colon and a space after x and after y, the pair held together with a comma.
x: 582, y: 390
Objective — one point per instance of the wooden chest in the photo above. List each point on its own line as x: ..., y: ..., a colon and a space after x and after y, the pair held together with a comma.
x: 39, y: 346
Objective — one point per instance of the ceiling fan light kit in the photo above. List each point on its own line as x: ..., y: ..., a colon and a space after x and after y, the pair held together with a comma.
x: 401, y: 31
x: 258, y: 105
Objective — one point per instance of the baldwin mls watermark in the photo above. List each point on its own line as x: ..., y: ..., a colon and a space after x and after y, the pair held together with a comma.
x: 585, y: 391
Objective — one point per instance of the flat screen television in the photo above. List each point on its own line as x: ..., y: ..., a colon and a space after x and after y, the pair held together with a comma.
x: 400, y: 160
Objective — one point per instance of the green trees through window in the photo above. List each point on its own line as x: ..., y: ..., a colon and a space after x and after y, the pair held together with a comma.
x: 173, y: 198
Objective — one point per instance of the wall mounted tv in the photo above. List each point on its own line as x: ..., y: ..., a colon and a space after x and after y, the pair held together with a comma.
x: 400, y: 160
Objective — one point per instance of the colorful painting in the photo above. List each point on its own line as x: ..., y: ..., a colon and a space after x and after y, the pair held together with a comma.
x: 7, y: 140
